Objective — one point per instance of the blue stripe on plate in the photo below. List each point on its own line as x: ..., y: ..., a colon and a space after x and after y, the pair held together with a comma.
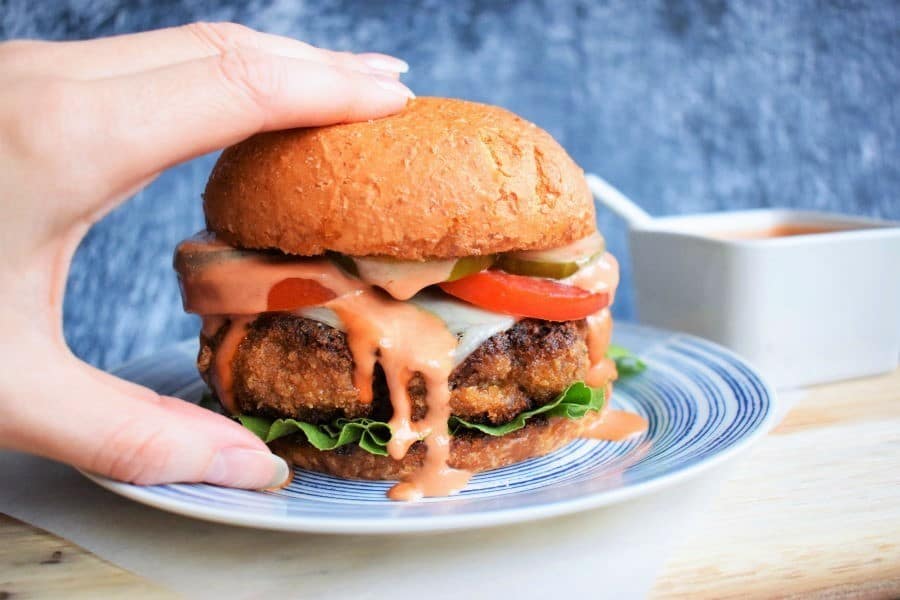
x: 701, y: 401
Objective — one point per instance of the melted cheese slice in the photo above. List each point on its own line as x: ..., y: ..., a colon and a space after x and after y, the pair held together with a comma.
x: 471, y: 325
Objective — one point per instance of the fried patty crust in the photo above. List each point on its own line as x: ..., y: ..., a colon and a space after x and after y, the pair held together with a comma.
x: 289, y: 366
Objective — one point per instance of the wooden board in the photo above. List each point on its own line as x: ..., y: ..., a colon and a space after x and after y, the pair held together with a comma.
x: 814, y: 509
x: 36, y: 564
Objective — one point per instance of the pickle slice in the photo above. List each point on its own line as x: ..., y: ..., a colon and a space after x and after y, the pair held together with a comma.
x: 536, y: 268
x: 403, y: 278
x: 554, y: 263
x: 469, y: 265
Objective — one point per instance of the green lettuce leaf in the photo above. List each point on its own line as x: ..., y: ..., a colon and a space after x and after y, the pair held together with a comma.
x: 373, y: 436
x: 627, y: 364
x: 572, y: 404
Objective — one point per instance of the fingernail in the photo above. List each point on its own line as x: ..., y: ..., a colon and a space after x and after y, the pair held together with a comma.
x: 243, y: 468
x: 393, y: 85
x: 383, y: 62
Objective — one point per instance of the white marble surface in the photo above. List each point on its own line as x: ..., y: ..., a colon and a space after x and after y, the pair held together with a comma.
x: 609, y: 553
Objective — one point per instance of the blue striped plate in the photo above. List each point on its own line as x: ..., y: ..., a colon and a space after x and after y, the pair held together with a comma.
x: 703, y: 404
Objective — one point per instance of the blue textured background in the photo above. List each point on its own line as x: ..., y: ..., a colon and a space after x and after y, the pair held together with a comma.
x: 686, y: 106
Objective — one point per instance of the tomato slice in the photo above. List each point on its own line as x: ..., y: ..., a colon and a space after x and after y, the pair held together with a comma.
x: 295, y: 292
x: 522, y: 296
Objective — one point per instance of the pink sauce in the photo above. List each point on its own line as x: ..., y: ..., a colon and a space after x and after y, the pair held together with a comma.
x: 221, y: 283
x: 601, y: 275
x: 603, y: 369
x: 575, y: 252
x: 239, y: 283
x: 223, y: 373
x: 597, y: 276
x: 616, y: 425
x: 405, y: 339
x: 403, y: 280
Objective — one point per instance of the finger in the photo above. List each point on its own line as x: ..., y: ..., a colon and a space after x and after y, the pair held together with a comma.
x: 105, y: 429
x: 126, y: 54
x: 140, y: 124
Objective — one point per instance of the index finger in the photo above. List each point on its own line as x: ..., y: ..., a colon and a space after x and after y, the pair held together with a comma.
x: 132, y: 53
x: 137, y: 125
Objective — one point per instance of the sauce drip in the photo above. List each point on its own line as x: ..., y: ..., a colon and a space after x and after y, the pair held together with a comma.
x: 603, y: 369
x: 403, y: 280
x: 615, y: 426
x: 217, y: 280
x: 407, y: 340
x: 599, y: 275
x: 223, y: 371
x: 221, y: 283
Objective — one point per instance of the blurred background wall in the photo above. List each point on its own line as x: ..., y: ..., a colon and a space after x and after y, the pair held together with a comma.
x: 686, y: 106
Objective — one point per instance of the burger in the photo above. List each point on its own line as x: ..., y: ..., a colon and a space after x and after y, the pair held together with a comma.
x: 414, y: 298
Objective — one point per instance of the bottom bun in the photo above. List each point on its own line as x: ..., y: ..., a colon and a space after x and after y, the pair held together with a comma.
x: 470, y: 451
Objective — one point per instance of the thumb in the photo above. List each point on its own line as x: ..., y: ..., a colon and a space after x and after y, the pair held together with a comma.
x: 111, y: 427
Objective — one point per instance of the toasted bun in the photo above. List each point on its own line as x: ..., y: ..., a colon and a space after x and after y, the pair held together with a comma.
x: 476, y: 452
x: 443, y: 178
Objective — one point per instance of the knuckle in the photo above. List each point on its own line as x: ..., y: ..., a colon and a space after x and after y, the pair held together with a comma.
x: 249, y: 76
x: 347, y: 107
x: 348, y: 61
x: 136, y: 452
x: 339, y: 58
x: 221, y: 36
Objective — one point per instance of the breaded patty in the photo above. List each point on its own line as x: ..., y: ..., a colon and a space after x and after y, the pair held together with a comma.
x: 289, y: 366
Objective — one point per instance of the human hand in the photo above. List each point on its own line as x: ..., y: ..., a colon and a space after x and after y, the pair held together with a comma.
x: 84, y: 125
